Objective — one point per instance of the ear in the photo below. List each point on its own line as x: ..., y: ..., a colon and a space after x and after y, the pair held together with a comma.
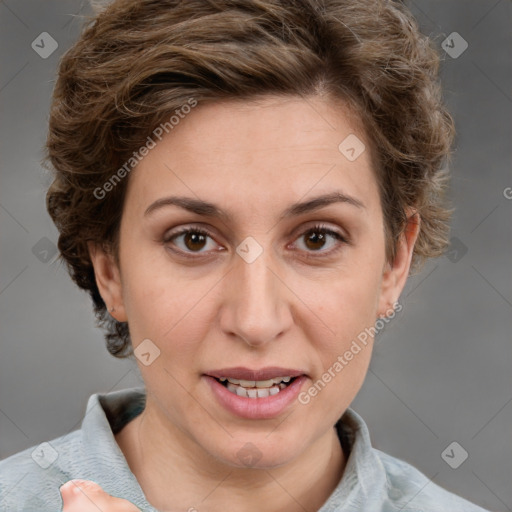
x: 395, y: 273
x: 108, y: 280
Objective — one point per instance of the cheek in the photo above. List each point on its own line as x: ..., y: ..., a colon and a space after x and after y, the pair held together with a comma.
x: 166, y: 303
x: 347, y: 305
x: 347, y: 302
x: 342, y: 356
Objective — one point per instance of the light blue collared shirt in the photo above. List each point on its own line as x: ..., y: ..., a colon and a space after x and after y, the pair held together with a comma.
x: 372, y: 482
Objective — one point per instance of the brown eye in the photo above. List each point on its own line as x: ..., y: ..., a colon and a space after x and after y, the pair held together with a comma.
x: 193, y: 240
x: 317, y: 237
x: 315, y: 240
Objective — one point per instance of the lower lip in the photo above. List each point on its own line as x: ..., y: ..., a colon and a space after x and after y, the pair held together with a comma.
x: 256, y: 408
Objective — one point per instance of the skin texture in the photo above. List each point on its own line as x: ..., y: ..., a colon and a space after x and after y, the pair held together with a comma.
x: 215, y: 310
x: 87, y: 496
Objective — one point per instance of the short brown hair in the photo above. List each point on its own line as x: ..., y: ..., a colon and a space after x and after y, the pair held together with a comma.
x: 139, y: 60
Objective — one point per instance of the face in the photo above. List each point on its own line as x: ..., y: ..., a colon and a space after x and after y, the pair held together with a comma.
x: 266, y: 288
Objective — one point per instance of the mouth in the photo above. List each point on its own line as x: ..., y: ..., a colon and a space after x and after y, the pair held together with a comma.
x: 256, y: 394
x: 256, y: 388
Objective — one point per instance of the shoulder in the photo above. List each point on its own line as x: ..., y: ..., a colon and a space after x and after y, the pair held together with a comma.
x: 378, y: 481
x: 410, y: 490
x: 30, y: 479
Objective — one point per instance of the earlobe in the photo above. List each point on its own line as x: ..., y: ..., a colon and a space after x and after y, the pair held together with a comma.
x: 108, y: 280
x: 395, y: 273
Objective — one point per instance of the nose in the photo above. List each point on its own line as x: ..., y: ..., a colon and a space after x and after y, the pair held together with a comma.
x: 256, y: 302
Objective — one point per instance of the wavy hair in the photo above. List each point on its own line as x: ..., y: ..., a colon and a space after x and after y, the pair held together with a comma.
x: 137, y: 61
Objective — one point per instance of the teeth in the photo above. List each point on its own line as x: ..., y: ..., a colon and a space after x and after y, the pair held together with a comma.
x: 255, y: 388
x: 265, y: 383
x: 247, y: 383
x: 256, y: 383
x: 232, y: 387
x: 254, y: 392
x: 262, y: 393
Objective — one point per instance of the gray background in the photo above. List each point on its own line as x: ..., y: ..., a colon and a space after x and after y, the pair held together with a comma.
x: 440, y: 372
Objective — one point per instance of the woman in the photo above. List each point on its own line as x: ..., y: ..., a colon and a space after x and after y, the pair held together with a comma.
x: 243, y: 187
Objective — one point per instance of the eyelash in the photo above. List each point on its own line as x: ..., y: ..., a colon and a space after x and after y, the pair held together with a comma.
x: 316, y: 254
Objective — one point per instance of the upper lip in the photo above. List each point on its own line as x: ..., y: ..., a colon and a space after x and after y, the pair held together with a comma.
x: 242, y: 373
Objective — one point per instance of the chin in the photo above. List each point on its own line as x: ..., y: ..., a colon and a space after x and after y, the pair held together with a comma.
x: 257, y: 451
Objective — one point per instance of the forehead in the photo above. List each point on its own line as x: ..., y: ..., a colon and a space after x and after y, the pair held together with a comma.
x: 263, y: 151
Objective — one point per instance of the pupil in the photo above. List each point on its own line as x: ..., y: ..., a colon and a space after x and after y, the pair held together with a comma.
x: 316, y: 238
x: 194, y: 238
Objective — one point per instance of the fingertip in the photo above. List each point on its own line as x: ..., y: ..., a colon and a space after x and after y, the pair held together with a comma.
x: 66, y: 487
x: 78, y: 486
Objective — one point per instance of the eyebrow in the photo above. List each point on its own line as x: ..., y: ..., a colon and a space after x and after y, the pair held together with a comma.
x: 208, y: 209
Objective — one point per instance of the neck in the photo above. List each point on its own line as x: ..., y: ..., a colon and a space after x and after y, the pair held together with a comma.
x: 178, y: 475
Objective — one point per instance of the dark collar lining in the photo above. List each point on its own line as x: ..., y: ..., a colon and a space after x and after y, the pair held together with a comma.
x: 121, y: 412
x: 346, y: 435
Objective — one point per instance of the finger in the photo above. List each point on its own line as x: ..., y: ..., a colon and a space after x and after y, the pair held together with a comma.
x: 88, y: 496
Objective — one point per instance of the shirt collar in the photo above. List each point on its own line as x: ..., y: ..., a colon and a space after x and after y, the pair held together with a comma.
x: 106, y: 415
x: 364, y: 474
